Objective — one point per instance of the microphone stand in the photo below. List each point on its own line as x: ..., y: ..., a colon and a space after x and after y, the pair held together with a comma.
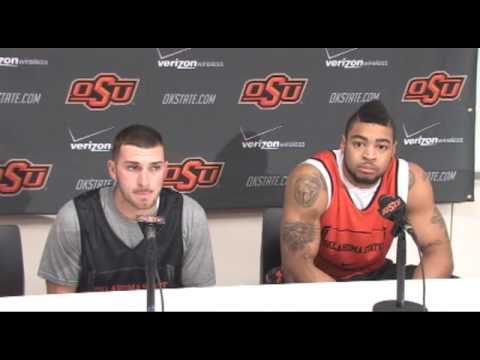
x: 149, y: 224
x: 150, y: 265
x: 399, y: 305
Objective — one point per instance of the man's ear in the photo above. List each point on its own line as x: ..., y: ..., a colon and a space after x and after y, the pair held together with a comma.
x: 111, y: 167
x: 343, y: 142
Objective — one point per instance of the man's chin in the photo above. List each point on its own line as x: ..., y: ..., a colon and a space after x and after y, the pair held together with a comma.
x: 143, y: 205
x: 367, y: 180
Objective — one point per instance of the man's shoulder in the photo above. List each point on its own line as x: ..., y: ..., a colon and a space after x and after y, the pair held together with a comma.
x: 417, y: 176
x: 420, y: 191
x: 68, y: 209
x: 68, y: 213
x: 67, y: 216
x: 191, y: 206
x: 414, y: 167
x: 103, y: 191
x: 325, y: 152
x: 323, y: 158
x: 320, y: 164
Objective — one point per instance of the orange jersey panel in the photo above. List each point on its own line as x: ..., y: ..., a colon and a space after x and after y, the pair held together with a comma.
x: 353, y: 242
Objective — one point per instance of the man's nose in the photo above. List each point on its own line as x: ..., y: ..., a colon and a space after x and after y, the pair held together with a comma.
x: 143, y: 178
x: 370, y: 153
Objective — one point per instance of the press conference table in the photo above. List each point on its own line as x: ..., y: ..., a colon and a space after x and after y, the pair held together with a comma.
x: 442, y: 295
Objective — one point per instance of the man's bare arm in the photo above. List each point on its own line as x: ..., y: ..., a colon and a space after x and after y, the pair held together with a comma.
x: 305, y: 200
x: 429, y: 227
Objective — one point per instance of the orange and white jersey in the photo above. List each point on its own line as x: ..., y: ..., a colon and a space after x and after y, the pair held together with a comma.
x: 355, y: 238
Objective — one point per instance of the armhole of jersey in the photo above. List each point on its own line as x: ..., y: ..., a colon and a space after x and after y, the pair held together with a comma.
x: 402, y: 180
x: 319, y: 165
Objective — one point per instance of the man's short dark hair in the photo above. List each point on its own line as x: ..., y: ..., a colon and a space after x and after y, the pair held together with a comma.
x: 373, y: 112
x: 138, y: 135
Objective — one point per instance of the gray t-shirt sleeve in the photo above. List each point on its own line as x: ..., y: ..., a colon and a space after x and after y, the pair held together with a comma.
x: 198, y: 266
x: 60, y: 262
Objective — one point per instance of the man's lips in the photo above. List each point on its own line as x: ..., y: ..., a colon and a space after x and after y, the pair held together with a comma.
x: 367, y: 168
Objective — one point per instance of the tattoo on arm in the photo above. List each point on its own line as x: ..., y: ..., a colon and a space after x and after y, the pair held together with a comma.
x: 307, y: 189
x: 437, y: 219
x: 430, y: 245
x: 426, y: 177
x: 413, y: 234
x: 297, y: 235
x: 411, y: 179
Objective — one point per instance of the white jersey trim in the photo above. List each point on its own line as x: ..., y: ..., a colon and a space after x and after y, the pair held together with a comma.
x: 402, y: 179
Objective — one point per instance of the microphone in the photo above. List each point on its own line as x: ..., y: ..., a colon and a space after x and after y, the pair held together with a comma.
x: 394, y: 209
x: 150, y: 224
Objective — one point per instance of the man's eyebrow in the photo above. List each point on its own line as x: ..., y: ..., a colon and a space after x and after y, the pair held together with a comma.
x: 360, y: 137
x: 138, y: 163
x: 382, y: 140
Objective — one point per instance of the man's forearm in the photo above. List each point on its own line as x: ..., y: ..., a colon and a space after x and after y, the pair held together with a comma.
x: 436, y: 264
x: 307, y: 274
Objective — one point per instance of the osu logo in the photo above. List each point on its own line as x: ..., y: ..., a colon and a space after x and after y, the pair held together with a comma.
x: 20, y: 174
x: 269, y: 93
x: 436, y: 87
x: 193, y: 173
x: 390, y: 208
x: 102, y: 91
